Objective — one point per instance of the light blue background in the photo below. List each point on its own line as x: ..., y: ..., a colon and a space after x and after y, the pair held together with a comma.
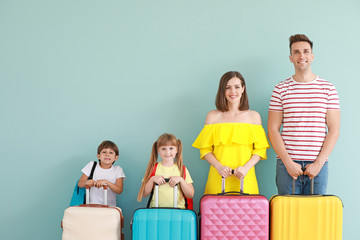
x: 74, y: 73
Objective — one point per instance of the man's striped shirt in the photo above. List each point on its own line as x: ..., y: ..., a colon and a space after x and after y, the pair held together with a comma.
x: 304, y: 107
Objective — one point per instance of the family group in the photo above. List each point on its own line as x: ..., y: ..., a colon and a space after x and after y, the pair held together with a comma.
x: 303, y: 127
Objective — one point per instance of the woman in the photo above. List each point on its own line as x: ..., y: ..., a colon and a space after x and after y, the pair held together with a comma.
x: 232, y: 138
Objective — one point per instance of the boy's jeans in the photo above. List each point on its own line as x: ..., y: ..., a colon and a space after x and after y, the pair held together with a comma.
x: 284, y: 182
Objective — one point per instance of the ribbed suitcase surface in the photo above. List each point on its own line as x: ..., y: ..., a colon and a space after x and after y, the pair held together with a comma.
x: 232, y: 217
x: 309, y: 217
x: 164, y: 224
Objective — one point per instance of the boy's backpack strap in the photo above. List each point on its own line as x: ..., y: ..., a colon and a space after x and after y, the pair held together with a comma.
x: 92, y: 171
x: 91, y: 177
x: 78, y: 196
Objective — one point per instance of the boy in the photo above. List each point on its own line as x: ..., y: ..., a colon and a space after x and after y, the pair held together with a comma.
x: 105, y: 173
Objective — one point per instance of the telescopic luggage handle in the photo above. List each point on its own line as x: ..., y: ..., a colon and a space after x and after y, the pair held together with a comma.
x: 223, y: 184
x: 156, y: 190
x: 311, y: 186
x: 105, y: 194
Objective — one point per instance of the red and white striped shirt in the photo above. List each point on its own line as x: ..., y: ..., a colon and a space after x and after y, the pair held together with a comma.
x: 304, y: 107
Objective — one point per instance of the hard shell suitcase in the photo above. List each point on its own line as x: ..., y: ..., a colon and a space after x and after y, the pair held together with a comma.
x: 305, y: 217
x: 164, y: 223
x: 93, y: 221
x: 234, y: 215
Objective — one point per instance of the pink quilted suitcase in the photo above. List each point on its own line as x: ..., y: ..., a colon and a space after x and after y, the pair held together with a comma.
x: 234, y: 215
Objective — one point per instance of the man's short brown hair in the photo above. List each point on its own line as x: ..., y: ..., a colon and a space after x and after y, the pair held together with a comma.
x: 299, y: 38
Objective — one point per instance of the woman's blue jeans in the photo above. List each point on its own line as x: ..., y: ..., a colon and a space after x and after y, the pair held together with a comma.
x: 284, y: 181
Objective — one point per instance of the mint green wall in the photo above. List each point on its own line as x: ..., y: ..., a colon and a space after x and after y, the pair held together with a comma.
x: 76, y: 72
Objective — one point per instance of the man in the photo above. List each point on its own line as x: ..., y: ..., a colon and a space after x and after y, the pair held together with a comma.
x: 308, y: 108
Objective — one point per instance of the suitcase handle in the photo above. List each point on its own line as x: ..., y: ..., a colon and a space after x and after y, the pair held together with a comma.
x: 232, y: 192
x: 223, y: 185
x: 311, y: 184
x: 156, y: 190
x: 88, y: 194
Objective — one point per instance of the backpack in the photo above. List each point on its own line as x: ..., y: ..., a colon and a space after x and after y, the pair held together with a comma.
x: 78, y: 196
x: 188, y: 201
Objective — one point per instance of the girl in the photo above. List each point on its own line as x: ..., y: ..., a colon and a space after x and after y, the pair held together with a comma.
x: 171, y: 166
x: 232, y: 138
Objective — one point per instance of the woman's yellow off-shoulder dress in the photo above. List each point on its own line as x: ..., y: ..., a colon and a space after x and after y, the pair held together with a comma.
x: 232, y: 144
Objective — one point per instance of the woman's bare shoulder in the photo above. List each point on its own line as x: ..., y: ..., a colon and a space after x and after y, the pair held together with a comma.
x: 213, y: 117
x: 254, y: 117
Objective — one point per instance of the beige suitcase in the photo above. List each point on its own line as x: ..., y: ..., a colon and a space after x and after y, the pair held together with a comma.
x: 93, y: 221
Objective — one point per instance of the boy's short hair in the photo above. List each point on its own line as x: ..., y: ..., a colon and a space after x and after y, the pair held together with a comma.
x: 108, y: 144
x: 299, y: 38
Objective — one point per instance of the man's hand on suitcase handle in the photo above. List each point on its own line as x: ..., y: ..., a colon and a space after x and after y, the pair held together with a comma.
x: 294, y: 169
x: 312, y: 169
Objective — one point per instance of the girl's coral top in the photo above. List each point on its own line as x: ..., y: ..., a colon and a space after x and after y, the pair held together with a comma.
x: 232, y: 144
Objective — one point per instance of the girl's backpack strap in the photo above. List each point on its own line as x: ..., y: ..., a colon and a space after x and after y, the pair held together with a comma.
x: 152, y: 192
x: 188, y: 201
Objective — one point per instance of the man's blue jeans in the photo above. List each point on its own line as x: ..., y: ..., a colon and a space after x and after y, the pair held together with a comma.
x: 284, y: 181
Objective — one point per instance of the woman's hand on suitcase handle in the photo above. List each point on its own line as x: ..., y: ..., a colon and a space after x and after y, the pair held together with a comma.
x: 241, y: 172
x: 224, y: 171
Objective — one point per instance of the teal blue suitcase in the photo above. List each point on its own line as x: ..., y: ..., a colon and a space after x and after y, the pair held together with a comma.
x: 164, y: 223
